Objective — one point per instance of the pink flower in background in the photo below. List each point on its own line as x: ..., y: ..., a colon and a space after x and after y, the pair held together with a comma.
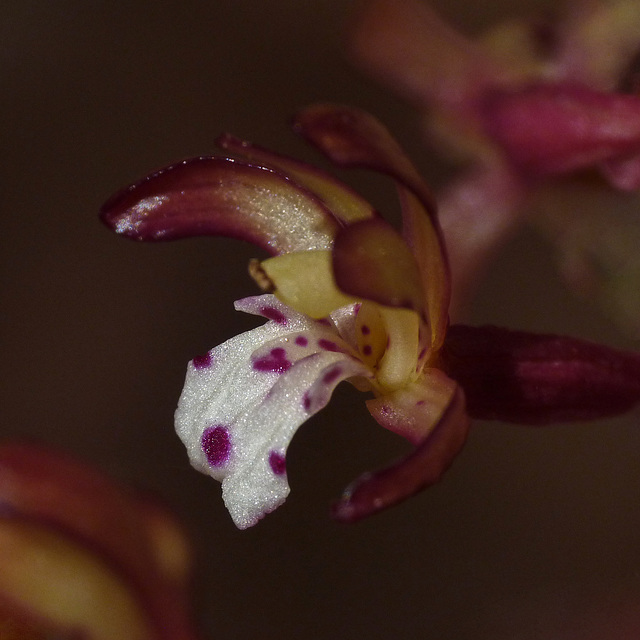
x: 81, y: 557
x: 348, y: 298
x: 525, y: 105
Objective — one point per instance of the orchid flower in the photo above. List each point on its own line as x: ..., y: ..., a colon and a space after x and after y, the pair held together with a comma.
x: 526, y: 104
x: 347, y: 298
x: 81, y: 557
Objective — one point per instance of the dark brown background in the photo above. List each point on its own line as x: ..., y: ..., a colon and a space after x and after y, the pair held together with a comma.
x: 529, y: 528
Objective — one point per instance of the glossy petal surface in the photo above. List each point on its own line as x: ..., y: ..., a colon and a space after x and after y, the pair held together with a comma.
x: 218, y: 196
x: 237, y: 414
x: 347, y: 205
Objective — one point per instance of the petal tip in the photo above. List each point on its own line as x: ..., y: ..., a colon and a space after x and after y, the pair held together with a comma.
x: 354, y: 505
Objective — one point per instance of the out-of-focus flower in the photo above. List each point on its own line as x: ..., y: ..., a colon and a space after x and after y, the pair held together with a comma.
x: 81, y: 557
x: 528, y: 101
x: 350, y: 299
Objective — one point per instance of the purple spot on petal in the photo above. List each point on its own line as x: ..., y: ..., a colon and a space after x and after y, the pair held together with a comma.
x: 324, y: 321
x: 273, y: 314
x: 301, y: 341
x: 277, y: 463
x: 385, y: 410
x: 356, y: 307
x: 419, y: 403
x: 275, y: 362
x: 327, y: 345
x: 306, y: 401
x: 366, y: 350
x: 365, y: 330
x: 203, y: 361
x: 422, y: 353
x: 216, y: 445
x: 332, y: 375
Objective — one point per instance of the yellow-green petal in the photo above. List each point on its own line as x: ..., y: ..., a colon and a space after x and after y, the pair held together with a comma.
x: 304, y: 280
x: 397, y: 368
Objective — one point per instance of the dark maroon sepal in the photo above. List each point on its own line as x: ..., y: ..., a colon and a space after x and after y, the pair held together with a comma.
x: 532, y: 378
x: 423, y: 467
x: 221, y: 197
x: 351, y: 137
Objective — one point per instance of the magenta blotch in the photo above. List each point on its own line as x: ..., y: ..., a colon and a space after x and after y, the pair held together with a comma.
x: 366, y: 350
x: 301, y: 341
x: 365, y: 330
x: 306, y: 401
x: 327, y: 345
x: 273, y: 314
x: 202, y: 362
x: 275, y: 362
x: 277, y: 462
x: 332, y: 375
x: 216, y: 444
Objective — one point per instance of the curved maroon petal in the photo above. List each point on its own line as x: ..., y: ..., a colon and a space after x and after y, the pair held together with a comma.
x: 135, y: 537
x: 374, y: 492
x: 538, y: 378
x: 549, y: 129
x: 219, y: 196
x: 345, y: 203
x: 353, y: 138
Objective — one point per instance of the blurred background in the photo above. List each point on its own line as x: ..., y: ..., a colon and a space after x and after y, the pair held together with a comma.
x: 528, y: 530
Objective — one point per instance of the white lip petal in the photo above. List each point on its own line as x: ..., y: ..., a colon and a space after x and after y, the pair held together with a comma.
x: 244, y: 400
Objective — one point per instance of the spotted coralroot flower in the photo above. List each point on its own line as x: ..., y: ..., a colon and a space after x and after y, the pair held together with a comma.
x: 349, y: 298
x: 526, y: 105
x: 81, y: 557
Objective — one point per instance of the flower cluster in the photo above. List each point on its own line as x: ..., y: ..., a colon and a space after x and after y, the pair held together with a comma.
x: 347, y: 298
